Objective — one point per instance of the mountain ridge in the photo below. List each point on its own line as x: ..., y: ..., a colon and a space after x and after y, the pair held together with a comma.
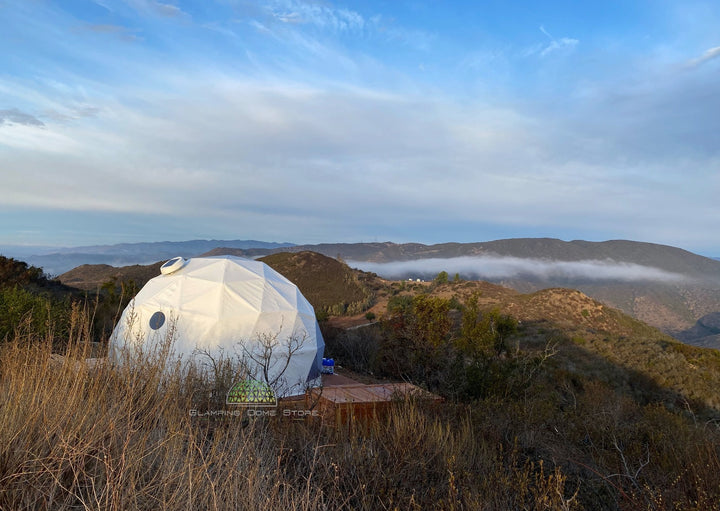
x: 61, y: 260
x: 664, y: 257
x: 670, y: 306
x: 673, y: 307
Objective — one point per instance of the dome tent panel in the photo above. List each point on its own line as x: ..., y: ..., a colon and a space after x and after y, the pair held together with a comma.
x: 273, y: 300
x: 232, y: 306
x: 204, y: 298
x: 289, y: 294
x: 166, y: 294
x: 248, y: 292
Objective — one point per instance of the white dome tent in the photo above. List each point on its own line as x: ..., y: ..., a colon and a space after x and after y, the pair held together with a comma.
x: 228, y: 305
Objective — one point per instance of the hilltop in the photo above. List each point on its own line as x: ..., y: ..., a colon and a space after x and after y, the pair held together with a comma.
x: 673, y: 306
x: 14, y: 273
x: 681, y: 287
x: 90, y: 277
x: 328, y: 284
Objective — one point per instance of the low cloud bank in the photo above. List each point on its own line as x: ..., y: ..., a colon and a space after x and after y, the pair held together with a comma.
x: 501, y: 267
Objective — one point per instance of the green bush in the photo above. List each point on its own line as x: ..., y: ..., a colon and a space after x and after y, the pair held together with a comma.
x: 40, y: 315
x: 442, y: 278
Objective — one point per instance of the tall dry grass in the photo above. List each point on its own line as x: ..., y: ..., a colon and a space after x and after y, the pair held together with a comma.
x: 79, y: 433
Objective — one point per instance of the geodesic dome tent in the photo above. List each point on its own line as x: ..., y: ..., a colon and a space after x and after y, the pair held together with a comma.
x: 229, y: 305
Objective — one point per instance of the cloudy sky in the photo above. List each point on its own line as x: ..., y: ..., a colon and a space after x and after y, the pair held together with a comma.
x: 320, y: 121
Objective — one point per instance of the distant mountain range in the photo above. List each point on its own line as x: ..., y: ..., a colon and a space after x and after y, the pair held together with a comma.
x: 663, y: 257
x: 55, y: 261
x: 664, y: 286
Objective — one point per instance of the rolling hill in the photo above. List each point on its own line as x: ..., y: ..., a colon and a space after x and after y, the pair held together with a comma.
x: 592, y: 337
x: 328, y: 284
x: 664, y: 257
x: 90, y: 277
x: 665, y: 286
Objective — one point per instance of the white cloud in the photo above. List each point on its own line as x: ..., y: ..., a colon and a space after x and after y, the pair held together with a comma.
x: 15, y: 116
x: 323, y: 16
x: 564, y: 43
x: 226, y: 147
x: 158, y: 8
x: 503, y: 267
x: 168, y: 9
x: 555, y: 45
x: 283, y: 124
x: 710, y: 54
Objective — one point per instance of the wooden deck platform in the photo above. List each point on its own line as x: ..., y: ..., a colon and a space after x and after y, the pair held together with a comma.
x: 342, y: 400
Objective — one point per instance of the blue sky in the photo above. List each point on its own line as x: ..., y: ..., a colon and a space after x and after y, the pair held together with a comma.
x: 320, y: 121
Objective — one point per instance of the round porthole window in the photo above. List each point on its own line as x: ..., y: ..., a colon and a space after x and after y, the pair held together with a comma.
x: 157, y: 320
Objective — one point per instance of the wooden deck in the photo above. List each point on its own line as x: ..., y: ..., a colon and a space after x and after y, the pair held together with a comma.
x: 342, y: 400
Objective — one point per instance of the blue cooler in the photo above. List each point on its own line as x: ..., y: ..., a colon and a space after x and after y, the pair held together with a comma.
x: 328, y: 366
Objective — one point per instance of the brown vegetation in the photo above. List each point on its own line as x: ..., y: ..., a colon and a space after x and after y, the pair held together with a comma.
x: 328, y: 284
x: 554, y: 401
x: 91, y: 277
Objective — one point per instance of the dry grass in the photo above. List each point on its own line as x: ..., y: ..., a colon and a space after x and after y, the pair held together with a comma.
x: 81, y: 435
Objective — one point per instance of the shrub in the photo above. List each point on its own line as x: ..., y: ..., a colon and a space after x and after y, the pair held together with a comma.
x: 442, y: 278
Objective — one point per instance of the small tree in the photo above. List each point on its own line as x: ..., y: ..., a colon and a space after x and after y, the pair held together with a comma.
x: 481, y: 334
x: 501, y: 327
x: 473, y: 339
x: 270, y: 357
x: 442, y: 278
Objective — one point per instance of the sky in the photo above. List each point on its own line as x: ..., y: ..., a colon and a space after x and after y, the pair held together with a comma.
x: 320, y: 121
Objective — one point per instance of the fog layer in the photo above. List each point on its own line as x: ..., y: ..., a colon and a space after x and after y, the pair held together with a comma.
x: 504, y: 267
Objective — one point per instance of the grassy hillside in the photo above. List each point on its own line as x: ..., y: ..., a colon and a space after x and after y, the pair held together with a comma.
x: 328, y: 284
x: 31, y: 301
x: 553, y: 401
x: 670, y: 306
x: 14, y: 273
x: 589, y: 338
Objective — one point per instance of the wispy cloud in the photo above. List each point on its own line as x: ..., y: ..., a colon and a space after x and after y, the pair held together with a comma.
x: 15, y: 116
x: 564, y: 43
x: 71, y: 113
x: 157, y: 8
x: 502, y: 267
x: 710, y: 54
x: 302, y: 113
x: 554, y: 45
x: 117, y: 30
x: 168, y: 9
x: 323, y: 16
